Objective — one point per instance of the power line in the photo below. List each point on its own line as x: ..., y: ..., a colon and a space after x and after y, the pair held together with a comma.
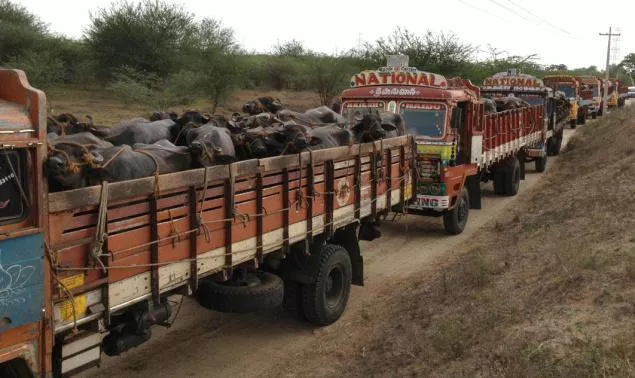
x: 541, y: 19
x: 486, y: 12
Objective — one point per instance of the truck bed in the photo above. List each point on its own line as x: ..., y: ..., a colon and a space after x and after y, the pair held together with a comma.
x: 505, y: 133
x: 166, y: 233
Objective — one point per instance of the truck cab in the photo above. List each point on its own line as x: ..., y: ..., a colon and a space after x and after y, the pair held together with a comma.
x: 591, y: 94
x: 438, y: 112
x: 571, y: 88
x: 612, y: 96
x: 25, y: 333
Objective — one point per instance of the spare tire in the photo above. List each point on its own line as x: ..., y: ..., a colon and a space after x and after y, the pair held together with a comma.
x: 258, y: 291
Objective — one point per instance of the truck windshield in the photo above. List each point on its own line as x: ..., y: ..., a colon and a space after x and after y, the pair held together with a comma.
x: 11, y: 203
x: 568, y: 90
x: 424, y: 119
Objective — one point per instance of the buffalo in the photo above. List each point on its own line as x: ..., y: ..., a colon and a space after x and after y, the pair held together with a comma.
x: 145, y: 132
x: 157, y: 116
x: 68, y: 159
x: 141, y: 160
x: 330, y: 136
x: 210, y: 145
x: 371, y: 127
x: 262, y: 105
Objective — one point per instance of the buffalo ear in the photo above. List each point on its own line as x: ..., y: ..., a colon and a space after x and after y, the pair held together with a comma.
x: 389, y: 126
x: 97, y: 157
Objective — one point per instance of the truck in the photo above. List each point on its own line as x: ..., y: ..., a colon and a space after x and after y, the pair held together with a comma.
x: 622, y: 95
x: 613, y: 95
x: 458, y: 145
x: 591, y: 89
x: 570, y: 86
x: 533, y: 90
x: 91, y: 271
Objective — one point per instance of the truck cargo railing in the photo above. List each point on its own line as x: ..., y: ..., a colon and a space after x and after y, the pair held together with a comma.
x: 167, y: 232
x: 508, y: 131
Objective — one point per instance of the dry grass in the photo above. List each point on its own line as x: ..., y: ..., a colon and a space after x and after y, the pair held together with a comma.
x: 107, y: 110
x: 548, y: 290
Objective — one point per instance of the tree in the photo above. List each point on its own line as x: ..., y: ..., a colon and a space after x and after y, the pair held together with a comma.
x: 441, y: 52
x: 328, y: 75
x: 149, y: 36
x: 20, y: 31
x: 629, y: 63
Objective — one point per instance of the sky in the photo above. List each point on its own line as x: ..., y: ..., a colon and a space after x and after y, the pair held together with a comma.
x: 558, y: 31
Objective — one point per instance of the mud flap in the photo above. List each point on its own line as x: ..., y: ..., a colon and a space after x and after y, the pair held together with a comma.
x: 522, y: 155
x: 473, y: 185
x: 347, y: 238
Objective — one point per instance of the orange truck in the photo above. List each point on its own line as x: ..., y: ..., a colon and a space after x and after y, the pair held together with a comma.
x: 92, y: 270
x: 534, y: 91
x: 591, y: 88
x: 458, y: 144
x: 570, y: 86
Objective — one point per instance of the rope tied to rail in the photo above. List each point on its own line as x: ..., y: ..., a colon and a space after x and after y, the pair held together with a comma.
x: 201, y: 224
x: 100, y: 234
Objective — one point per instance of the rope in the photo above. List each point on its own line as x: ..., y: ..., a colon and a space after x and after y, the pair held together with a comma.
x: 234, y: 252
x: 101, y: 235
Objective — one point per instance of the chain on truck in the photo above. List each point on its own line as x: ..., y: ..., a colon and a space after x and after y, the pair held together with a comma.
x: 92, y: 270
x: 458, y: 145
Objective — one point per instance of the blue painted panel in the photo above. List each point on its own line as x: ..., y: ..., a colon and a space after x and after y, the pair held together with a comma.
x: 21, y: 281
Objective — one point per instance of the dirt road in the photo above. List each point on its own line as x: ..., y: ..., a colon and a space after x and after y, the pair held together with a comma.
x: 204, y: 343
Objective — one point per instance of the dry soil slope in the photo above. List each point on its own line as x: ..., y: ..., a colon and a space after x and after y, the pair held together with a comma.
x: 546, y: 290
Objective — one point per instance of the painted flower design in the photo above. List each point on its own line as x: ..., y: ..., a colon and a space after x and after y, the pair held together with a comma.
x: 13, y: 280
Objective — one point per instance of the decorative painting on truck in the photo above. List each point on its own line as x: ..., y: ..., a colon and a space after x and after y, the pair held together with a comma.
x: 513, y: 80
x: 398, y: 76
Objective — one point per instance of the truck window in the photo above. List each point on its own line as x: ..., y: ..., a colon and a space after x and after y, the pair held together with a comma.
x: 568, y: 90
x: 424, y: 119
x: 12, y: 176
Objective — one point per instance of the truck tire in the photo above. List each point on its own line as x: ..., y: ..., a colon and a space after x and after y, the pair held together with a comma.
x: 499, y: 182
x: 512, y: 179
x: 261, y: 291
x: 552, y: 144
x: 455, y: 220
x: 594, y: 115
x: 324, y: 301
x: 573, y: 123
x: 541, y: 164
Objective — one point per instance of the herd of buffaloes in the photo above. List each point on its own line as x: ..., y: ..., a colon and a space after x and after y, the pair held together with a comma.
x: 82, y: 154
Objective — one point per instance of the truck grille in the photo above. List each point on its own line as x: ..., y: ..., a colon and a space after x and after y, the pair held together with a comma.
x: 429, y: 168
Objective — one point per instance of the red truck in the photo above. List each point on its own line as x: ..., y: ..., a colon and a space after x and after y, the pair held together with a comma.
x: 459, y: 144
x: 92, y: 270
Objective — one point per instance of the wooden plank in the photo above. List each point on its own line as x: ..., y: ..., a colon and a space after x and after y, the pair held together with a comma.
x: 259, y: 218
x: 194, y: 225
x: 154, y: 251
x: 229, y: 223
x: 71, y: 199
x: 330, y: 198
x: 286, y: 203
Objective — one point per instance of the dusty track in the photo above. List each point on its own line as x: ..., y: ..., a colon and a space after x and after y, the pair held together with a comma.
x: 204, y: 343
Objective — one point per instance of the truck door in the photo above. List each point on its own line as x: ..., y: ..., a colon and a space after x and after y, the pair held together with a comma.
x: 459, y: 127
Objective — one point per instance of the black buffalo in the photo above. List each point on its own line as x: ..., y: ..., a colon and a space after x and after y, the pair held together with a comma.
x: 262, y: 105
x: 330, y: 136
x: 371, y: 127
x: 69, y: 158
x: 210, y: 145
x: 145, y: 132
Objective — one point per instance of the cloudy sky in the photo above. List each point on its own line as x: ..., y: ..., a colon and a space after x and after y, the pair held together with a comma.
x: 559, y: 31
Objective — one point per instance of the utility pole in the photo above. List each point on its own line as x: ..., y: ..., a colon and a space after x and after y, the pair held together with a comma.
x: 606, y: 72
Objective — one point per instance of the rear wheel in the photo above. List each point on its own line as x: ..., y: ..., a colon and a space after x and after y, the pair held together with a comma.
x: 541, y: 164
x: 455, y: 220
x: 324, y: 301
x: 594, y: 115
x: 573, y: 123
x: 512, y: 179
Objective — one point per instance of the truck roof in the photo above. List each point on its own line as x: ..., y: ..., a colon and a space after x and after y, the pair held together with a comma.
x: 589, y: 79
x: 407, y: 82
x: 559, y: 79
